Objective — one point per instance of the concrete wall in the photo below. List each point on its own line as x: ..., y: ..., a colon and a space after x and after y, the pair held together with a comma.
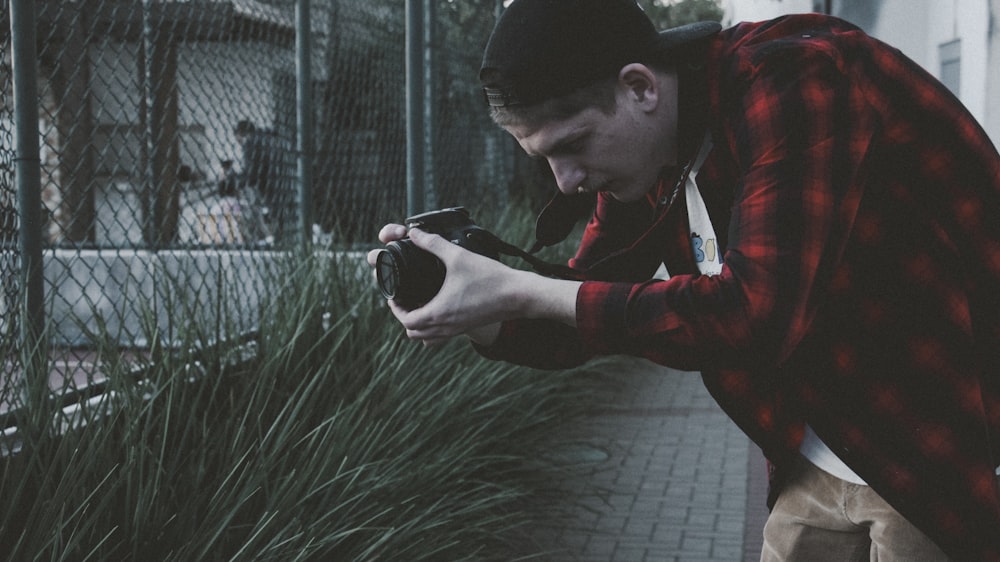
x: 122, y: 293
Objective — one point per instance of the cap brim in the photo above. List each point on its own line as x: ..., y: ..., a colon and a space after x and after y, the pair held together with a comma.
x: 670, y: 39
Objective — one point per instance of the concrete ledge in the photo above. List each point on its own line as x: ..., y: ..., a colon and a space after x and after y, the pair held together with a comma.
x: 122, y: 292
x: 125, y: 293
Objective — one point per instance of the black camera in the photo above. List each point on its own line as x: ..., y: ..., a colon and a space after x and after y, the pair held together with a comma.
x: 411, y: 276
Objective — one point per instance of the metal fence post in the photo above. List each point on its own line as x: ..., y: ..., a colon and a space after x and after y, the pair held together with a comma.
x: 27, y: 166
x: 430, y: 197
x: 160, y: 111
x: 416, y: 159
x: 304, y: 115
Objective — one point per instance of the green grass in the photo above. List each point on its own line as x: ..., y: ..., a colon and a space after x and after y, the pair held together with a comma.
x: 338, y: 440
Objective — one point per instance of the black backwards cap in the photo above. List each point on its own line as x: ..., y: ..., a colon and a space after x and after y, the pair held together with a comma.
x: 544, y: 49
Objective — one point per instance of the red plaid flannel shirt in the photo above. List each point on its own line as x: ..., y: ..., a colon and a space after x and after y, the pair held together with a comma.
x: 859, y: 207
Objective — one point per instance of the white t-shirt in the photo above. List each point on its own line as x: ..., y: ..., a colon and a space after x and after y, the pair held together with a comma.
x: 703, y: 240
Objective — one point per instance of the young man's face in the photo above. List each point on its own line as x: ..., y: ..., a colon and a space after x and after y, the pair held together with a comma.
x: 621, y: 153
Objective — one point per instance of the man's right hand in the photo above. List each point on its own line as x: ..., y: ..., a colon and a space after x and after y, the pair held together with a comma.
x: 484, y: 335
x: 478, y: 293
x: 389, y: 233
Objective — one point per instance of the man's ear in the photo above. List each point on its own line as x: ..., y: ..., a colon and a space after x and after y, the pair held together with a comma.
x: 640, y: 84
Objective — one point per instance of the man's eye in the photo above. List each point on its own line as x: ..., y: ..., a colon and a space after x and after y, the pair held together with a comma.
x: 573, y: 147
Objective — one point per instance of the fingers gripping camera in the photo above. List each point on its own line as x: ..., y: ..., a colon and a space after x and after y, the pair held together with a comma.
x: 411, y: 276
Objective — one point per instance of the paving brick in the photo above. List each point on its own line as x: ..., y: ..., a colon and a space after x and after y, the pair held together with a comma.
x: 676, y: 477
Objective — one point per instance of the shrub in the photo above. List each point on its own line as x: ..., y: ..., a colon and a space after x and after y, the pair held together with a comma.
x: 328, y: 437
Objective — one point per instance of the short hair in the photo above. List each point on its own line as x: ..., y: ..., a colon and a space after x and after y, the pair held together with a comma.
x: 600, y: 94
x: 244, y: 127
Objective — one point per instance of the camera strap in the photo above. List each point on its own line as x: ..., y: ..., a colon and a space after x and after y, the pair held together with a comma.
x: 543, y: 267
x: 559, y: 217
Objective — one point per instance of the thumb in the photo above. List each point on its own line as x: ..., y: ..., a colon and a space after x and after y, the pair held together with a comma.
x: 433, y: 243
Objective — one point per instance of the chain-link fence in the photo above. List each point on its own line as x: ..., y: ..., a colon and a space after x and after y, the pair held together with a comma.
x: 170, y: 154
x: 9, y: 255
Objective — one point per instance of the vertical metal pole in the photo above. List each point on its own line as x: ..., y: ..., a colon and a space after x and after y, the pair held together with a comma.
x: 430, y: 197
x: 150, y: 181
x: 304, y: 109
x: 27, y: 171
x: 414, y: 107
x: 149, y: 119
x: 160, y: 100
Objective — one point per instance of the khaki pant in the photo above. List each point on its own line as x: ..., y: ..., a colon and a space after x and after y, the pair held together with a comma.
x: 819, y: 517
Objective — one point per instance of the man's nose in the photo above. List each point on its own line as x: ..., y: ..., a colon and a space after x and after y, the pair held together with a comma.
x: 569, y: 176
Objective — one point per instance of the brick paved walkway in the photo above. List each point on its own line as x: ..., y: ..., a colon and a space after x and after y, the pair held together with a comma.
x: 680, y: 481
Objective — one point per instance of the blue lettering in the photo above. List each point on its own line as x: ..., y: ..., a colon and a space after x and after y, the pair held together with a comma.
x: 696, y: 245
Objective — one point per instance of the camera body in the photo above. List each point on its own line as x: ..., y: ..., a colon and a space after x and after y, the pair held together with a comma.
x: 411, y: 276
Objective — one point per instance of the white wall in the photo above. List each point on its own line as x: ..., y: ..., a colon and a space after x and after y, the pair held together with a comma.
x: 992, y: 119
x: 903, y: 25
x: 118, y: 292
x: 757, y: 10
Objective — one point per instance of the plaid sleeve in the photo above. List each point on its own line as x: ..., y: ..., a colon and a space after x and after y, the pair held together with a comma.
x: 798, y: 134
x: 539, y: 344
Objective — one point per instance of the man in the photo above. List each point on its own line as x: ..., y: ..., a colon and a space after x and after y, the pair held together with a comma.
x: 267, y: 169
x: 830, y: 218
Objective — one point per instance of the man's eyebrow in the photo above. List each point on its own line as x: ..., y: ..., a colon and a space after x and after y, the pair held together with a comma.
x: 560, y: 145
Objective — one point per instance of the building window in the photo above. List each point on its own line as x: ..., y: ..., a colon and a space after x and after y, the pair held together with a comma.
x: 950, y: 54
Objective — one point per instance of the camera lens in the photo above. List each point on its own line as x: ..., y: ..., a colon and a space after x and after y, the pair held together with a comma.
x: 408, y: 275
x: 387, y: 274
